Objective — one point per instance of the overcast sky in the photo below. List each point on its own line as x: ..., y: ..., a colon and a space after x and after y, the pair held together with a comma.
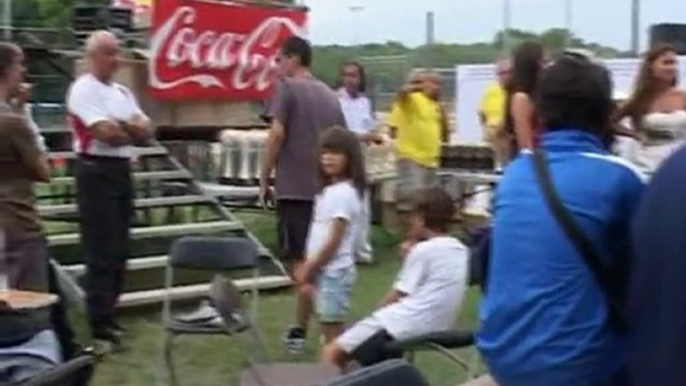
x: 463, y: 21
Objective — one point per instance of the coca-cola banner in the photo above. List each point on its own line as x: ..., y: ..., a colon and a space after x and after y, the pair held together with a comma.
x: 204, y: 49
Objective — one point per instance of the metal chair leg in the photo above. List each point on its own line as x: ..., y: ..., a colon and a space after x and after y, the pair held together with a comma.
x: 169, y: 360
x: 411, y: 357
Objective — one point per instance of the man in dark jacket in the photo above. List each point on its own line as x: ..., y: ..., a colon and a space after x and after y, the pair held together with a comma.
x: 657, y: 293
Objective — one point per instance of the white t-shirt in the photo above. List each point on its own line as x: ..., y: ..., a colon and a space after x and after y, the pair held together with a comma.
x: 90, y: 101
x: 434, y: 277
x: 337, y: 201
x: 357, y: 112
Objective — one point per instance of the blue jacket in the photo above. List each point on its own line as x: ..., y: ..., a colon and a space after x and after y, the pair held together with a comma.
x: 544, y: 320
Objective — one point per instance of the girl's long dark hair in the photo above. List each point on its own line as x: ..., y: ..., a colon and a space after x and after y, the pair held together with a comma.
x: 340, y: 140
x: 646, y: 89
x: 361, y: 72
x: 527, y: 62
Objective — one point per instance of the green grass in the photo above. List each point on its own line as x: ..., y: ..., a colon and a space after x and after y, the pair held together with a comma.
x: 205, y: 361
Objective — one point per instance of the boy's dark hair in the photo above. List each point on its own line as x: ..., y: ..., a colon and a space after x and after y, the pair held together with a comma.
x: 436, y: 208
x: 297, y: 46
x: 337, y: 139
x: 576, y: 93
x: 9, y: 54
x: 361, y: 72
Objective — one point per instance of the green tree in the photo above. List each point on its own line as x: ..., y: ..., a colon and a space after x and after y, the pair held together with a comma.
x: 58, y: 13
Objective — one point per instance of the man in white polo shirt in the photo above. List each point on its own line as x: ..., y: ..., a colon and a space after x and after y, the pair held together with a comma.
x: 359, y: 119
x: 107, y: 122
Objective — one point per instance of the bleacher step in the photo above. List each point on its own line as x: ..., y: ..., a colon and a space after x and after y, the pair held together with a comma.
x: 159, y: 231
x: 138, y: 263
x: 134, y: 264
x: 137, y: 151
x: 138, y: 176
x: 141, y: 203
x: 190, y: 292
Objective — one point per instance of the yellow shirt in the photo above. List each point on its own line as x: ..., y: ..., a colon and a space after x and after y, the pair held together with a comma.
x: 493, y: 107
x: 418, y: 129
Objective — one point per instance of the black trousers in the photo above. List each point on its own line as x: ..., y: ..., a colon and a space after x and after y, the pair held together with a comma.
x: 104, y: 197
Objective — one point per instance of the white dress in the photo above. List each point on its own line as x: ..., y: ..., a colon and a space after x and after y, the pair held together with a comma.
x: 665, y: 133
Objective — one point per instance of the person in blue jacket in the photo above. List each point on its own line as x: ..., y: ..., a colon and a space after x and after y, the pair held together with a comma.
x: 544, y: 318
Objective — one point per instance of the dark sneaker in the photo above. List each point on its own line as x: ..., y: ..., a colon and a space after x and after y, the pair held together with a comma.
x: 118, y: 330
x: 106, y: 342
x: 294, y: 340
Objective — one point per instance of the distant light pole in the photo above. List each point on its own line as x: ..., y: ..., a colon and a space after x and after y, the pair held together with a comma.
x: 356, y: 10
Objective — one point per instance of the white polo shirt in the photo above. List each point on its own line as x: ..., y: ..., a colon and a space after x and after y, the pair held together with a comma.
x: 357, y: 112
x: 90, y: 101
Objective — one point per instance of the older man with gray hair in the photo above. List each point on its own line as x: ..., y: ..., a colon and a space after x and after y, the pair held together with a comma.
x: 107, y: 122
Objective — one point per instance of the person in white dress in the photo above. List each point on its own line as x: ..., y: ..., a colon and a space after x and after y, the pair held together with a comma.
x: 359, y: 119
x: 655, y: 112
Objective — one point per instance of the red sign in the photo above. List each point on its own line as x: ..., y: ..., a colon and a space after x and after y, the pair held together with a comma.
x: 204, y: 49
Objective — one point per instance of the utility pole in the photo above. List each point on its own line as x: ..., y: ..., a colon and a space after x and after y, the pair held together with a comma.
x: 569, y: 17
x: 430, y: 29
x: 7, y: 19
x: 507, y: 25
x: 635, y: 26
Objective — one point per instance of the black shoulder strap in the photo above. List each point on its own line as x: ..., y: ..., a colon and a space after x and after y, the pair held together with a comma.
x: 610, y: 284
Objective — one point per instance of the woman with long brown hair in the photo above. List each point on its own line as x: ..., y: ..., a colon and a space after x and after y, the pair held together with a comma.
x: 521, y: 120
x: 656, y: 110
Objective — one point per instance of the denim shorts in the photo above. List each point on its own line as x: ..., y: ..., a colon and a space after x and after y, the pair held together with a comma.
x: 332, y: 300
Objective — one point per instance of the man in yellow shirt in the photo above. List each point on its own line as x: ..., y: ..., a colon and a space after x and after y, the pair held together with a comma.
x: 492, y: 110
x: 419, y: 124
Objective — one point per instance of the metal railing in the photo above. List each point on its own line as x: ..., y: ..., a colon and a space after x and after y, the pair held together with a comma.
x: 41, y: 37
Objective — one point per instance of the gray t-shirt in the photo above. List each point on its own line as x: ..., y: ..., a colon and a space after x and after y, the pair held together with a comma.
x: 306, y: 107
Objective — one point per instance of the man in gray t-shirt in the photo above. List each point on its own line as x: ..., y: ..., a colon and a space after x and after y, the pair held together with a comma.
x: 301, y: 108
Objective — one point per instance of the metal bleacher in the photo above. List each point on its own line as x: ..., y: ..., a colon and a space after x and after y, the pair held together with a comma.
x: 169, y: 203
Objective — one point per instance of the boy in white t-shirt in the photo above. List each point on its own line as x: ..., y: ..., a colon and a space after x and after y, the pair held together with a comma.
x: 427, y: 294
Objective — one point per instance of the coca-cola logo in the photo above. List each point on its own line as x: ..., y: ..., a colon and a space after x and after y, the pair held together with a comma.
x: 249, y: 59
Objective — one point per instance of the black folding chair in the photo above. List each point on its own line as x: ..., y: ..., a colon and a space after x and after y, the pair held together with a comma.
x: 443, y: 342
x: 390, y: 373
x: 261, y: 371
x: 76, y: 372
x: 210, y: 254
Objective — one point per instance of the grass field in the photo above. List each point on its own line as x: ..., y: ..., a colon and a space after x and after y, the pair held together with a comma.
x: 205, y: 361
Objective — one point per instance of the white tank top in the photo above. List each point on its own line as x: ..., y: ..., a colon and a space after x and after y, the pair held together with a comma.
x: 665, y: 134
x: 673, y: 123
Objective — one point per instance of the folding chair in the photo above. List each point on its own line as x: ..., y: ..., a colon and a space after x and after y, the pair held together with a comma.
x: 390, y: 373
x: 261, y: 371
x: 76, y: 372
x: 210, y: 254
x: 441, y: 342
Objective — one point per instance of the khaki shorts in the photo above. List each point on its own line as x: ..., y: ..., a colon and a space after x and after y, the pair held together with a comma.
x: 411, y: 177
